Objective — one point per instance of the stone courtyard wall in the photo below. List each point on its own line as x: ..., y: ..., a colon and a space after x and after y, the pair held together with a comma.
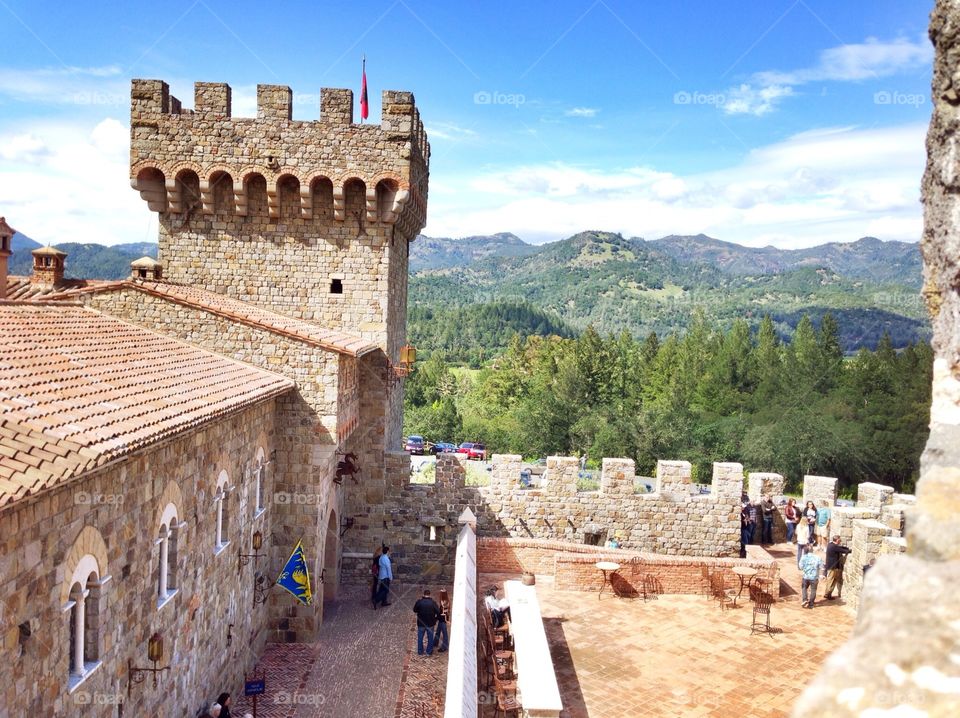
x: 573, y: 566
x: 114, y: 514
x: 674, y: 519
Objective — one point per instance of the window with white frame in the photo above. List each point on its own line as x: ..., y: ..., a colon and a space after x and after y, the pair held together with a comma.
x: 82, y: 610
x: 222, y: 499
x: 167, y: 542
x: 260, y: 480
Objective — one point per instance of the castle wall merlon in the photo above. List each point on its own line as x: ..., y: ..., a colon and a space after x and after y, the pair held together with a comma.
x: 149, y: 97
x: 336, y: 105
x: 274, y: 102
x: 212, y: 98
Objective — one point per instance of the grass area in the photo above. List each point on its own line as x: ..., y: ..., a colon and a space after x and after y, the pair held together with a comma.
x: 477, y: 475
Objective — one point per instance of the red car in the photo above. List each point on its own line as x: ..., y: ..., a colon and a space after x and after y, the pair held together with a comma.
x: 475, y: 451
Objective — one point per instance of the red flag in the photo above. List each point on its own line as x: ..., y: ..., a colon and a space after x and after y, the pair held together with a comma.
x: 364, y: 106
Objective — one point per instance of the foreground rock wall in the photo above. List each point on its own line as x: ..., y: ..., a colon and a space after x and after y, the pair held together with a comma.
x: 901, y: 659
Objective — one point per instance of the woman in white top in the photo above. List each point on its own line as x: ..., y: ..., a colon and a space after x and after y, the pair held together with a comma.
x: 804, y: 535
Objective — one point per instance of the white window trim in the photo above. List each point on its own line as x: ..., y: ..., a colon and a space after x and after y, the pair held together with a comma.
x: 77, y: 680
x: 223, y: 489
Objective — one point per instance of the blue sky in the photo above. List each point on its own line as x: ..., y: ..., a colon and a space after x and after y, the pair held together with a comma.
x: 785, y: 122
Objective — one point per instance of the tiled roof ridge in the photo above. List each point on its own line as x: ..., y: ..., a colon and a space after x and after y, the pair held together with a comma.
x: 167, y: 290
x: 49, y: 434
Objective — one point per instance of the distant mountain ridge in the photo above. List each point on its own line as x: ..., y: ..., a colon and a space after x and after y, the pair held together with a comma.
x: 441, y: 252
x: 84, y: 260
x: 618, y: 284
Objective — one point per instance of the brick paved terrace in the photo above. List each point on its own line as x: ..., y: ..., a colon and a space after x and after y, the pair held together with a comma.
x: 671, y: 655
x: 680, y: 655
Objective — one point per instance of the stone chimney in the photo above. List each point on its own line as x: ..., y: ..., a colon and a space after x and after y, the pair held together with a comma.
x: 48, y: 266
x: 146, y: 268
x: 6, y: 237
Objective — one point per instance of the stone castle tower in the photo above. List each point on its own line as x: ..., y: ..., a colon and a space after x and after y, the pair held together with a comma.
x: 311, y: 219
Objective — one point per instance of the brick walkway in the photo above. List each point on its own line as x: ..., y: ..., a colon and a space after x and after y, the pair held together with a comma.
x: 354, y: 669
x: 680, y: 655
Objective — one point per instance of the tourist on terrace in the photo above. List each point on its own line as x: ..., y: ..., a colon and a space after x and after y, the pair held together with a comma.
x: 768, y: 509
x: 385, y: 576
x: 499, y: 609
x: 810, y: 567
x: 805, y: 535
x: 443, y: 639
x: 613, y: 541
x: 835, y: 554
x: 791, y: 515
x: 428, y: 613
x: 224, y: 700
x: 823, y: 525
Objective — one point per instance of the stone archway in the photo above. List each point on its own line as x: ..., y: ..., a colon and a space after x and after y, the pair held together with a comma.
x: 331, y: 552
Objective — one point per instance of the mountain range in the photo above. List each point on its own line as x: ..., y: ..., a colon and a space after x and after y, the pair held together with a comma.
x: 462, y: 290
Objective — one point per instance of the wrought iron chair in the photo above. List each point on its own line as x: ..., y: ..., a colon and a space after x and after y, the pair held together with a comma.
x: 762, y: 601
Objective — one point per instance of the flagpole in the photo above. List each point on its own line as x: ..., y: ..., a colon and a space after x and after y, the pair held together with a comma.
x: 363, y: 74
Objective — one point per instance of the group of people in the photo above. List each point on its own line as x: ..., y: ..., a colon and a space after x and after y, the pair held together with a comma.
x: 810, y: 525
x: 431, y: 616
x: 811, y: 566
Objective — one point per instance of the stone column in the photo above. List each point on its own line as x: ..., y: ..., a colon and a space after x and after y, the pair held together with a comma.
x: 505, y: 472
x: 674, y: 477
x: 562, y: 473
x: 873, y: 496
x: 868, y: 535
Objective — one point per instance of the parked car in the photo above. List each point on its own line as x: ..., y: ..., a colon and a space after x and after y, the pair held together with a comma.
x: 444, y: 447
x: 478, y: 452
x: 414, y: 445
x: 464, y: 448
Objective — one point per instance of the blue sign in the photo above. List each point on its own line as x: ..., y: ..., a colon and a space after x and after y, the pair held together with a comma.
x: 253, y: 688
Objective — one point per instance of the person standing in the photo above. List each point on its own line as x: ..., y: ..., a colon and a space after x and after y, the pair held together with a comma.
x: 810, y: 567
x: 823, y: 525
x: 767, y: 508
x: 791, y: 515
x: 375, y: 575
x: 384, y: 576
x: 443, y: 638
x: 835, y: 554
x: 805, y: 535
x: 428, y: 613
x: 224, y: 700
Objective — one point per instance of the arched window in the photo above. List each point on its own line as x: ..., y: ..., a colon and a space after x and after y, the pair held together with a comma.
x: 188, y: 190
x: 222, y: 500
x: 260, y: 478
x: 82, y: 609
x: 321, y: 190
x: 386, y: 194
x: 288, y: 195
x: 256, y: 189
x: 167, y: 541
x: 221, y: 184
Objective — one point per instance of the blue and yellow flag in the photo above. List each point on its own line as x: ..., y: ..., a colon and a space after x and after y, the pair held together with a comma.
x: 295, y: 577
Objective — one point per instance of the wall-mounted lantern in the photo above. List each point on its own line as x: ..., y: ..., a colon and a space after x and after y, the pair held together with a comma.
x: 155, y: 655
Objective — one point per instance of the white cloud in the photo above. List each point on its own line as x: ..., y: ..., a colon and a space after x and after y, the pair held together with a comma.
x: 76, y: 188
x: 25, y: 149
x: 449, y: 131
x: 83, y: 86
x: 868, y: 60
x: 747, y: 99
x: 581, y: 112
x: 836, y: 184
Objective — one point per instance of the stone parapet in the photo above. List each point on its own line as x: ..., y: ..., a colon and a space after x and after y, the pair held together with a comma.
x: 874, y: 496
x: 822, y: 490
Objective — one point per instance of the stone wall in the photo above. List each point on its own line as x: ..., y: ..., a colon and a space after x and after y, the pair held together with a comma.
x: 901, y: 658
x: 312, y: 427
x: 114, y: 514
x: 674, y: 519
x: 573, y: 566
x: 821, y: 490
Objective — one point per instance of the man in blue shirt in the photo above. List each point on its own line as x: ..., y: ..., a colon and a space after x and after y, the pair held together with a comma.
x: 385, y: 577
x: 810, y: 567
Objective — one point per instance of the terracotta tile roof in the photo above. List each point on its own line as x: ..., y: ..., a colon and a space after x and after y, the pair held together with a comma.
x: 20, y: 288
x: 243, y: 312
x: 79, y: 389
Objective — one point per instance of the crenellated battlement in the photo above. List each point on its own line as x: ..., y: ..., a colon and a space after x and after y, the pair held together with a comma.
x: 206, y: 161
